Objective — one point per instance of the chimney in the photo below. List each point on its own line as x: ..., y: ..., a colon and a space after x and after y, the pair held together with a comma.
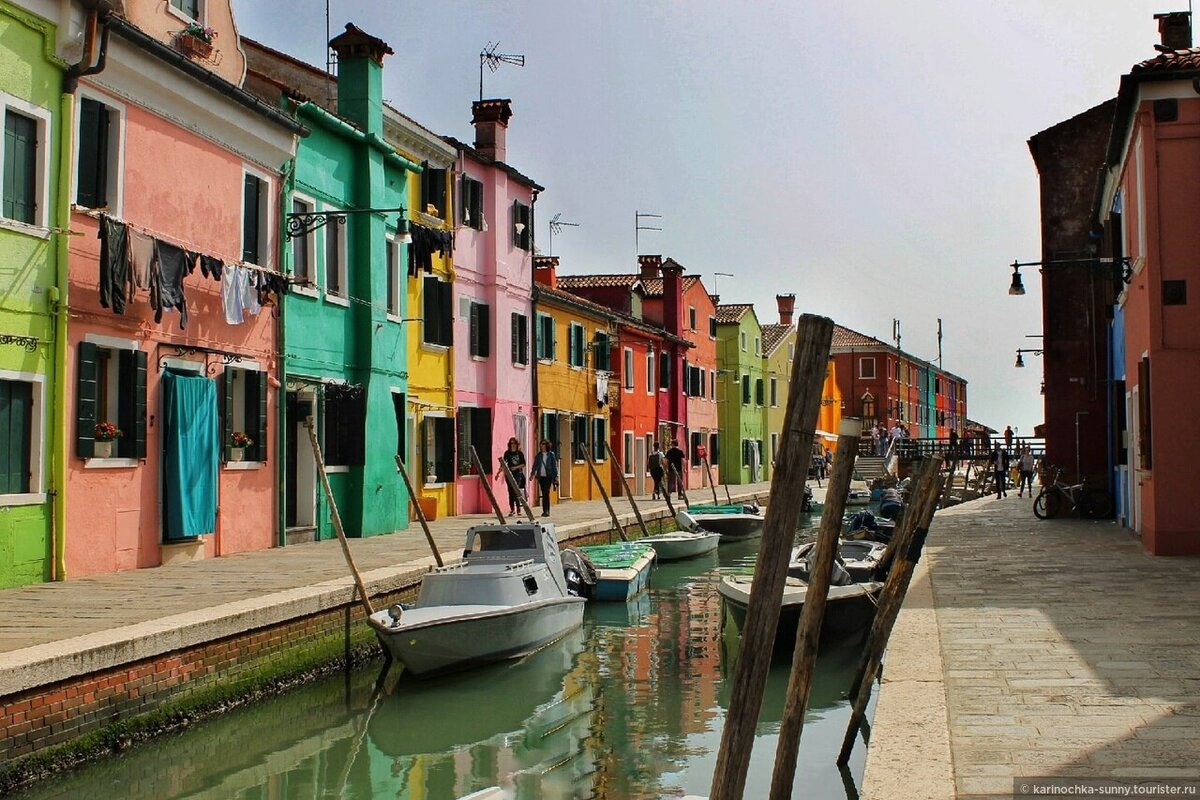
x: 490, y: 118
x: 545, y: 270
x: 648, y: 266
x: 1175, y: 29
x: 787, y: 307
x: 672, y: 277
x: 360, y: 78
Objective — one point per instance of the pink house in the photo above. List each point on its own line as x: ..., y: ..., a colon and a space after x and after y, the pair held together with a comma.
x: 178, y: 169
x: 494, y: 333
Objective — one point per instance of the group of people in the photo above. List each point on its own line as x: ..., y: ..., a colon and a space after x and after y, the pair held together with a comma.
x: 1000, y: 463
x: 667, y: 465
x: 882, y: 437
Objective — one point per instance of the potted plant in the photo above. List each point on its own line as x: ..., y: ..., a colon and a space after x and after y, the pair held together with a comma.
x: 430, y: 473
x: 238, y: 442
x: 196, y: 40
x: 105, y: 433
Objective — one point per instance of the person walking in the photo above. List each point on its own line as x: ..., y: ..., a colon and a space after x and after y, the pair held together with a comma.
x: 999, y: 463
x: 1008, y: 440
x: 1025, y: 466
x: 545, y: 469
x: 953, y: 443
x: 675, y: 459
x: 654, y: 465
x: 515, y: 459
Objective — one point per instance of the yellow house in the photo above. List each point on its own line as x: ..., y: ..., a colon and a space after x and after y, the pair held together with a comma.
x: 779, y: 350
x: 575, y: 339
x: 417, y: 291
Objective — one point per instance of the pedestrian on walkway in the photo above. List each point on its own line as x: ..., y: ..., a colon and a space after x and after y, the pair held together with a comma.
x: 1025, y: 466
x: 953, y: 444
x: 1008, y: 439
x: 654, y: 465
x: 515, y: 459
x: 675, y: 459
x: 545, y: 469
x: 999, y: 464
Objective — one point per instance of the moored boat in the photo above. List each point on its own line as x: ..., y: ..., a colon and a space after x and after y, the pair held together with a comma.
x: 688, y: 542
x: 731, y: 520
x: 622, y: 570
x: 508, y: 597
x: 848, y: 609
x: 860, y: 560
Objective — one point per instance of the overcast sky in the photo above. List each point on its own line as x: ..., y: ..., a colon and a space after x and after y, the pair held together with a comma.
x: 869, y: 157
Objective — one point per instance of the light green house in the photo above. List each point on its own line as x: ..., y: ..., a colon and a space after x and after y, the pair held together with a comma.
x: 779, y: 350
x: 32, y: 277
x: 741, y: 394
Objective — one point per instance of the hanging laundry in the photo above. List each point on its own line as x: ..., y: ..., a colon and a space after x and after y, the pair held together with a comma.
x: 253, y: 279
x: 425, y: 242
x: 114, y: 264
x: 141, y: 254
x: 166, y: 281
x: 211, y: 266
x: 239, y: 293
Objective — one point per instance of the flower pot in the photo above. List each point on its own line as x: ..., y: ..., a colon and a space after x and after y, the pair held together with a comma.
x: 102, y: 449
x: 431, y: 478
x: 194, y: 46
x: 237, y: 454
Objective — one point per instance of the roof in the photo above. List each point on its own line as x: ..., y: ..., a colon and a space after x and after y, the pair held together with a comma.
x: 597, y: 281
x: 1175, y: 65
x: 1173, y: 61
x: 773, y: 335
x: 732, y: 312
x: 844, y: 337
x: 654, y: 286
x: 500, y: 165
x: 542, y: 291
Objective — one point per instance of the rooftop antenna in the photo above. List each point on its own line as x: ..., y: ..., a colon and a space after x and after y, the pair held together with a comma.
x: 896, y: 332
x: 939, y: 342
x: 638, y: 227
x: 719, y: 275
x: 329, y: 58
x: 493, y: 60
x: 556, y: 226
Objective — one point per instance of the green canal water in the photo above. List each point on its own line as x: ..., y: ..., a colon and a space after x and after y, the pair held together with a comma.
x: 631, y: 706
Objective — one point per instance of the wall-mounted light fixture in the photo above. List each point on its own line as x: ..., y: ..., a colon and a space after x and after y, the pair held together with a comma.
x: 1125, y: 273
x: 302, y: 223
x: 1021, y: 361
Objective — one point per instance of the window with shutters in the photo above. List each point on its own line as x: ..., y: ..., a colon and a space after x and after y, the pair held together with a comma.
x: 24, y: 162
x: 627, y: 375
x: 437, y: 321
x: 579, y: 438
x: 712, y: 385
x: 256, y: 221
x: 550, y: 432
x: 602, y: 349
x: 745, y: 390
x: 334, y: 261
x: 244, y: 410
x: 599, y: 437
x: 712, y: 327
x: 774, y: 392
x: 520, y: 338
x: 666, y: 371
x: 304, y: 249
x: 474, y: 430
x: 110, y: 386
x: 576, y: 351
x: 98, y: 154
x: 481, y: 330
x: 472, y: 203
x: 522, y: 226
x: 22, y: 402
x: 394, y: 279
x: 345, y: 425
x: 545, y: 337
x: 189, y: 9
x: 433, y: 191
x: 759, y: 394
x: 438, y: 450
x: 627, y: 453
x: 651, y: 377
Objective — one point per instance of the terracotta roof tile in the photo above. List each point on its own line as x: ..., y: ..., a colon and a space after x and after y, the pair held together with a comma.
x: 773, y: 335
x: 731, y: 312
x: 1174, y: 61
x: 844, y: 337
x: 570, y: 282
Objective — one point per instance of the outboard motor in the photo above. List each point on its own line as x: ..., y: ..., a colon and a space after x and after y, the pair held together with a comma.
x: 686, y: 522
x: 807, y: 503
x: 890, y: 503
x: 579, y: 571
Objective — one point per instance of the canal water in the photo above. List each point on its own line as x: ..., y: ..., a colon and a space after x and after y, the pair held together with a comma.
x: 631, y: 706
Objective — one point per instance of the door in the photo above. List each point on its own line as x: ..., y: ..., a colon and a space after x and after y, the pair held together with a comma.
x: 1133, y: 414
x: 567, y: 453
x: 191, y: 454
x: 639, y: 467
x: 301, y: 467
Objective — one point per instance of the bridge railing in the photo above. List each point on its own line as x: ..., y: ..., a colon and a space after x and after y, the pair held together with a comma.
x: 966, y: 449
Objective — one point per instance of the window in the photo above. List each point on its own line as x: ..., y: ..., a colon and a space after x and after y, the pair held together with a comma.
x: 692, y: 317
x: 599, y: 437
x: 791, y: 352
x: 868, y: 406
x: 712, y: 385
x: 695, y: 442
x: 757, y: 346
x: 576, y: 352
x: 97, y: 161
x: 745, y: 390
x: 474, y: 430
x: 545, y: 339
x: 742, y: 337
x: 256, y: 239
x: 550, y: 431
x: 712, y: 327
x: 335, y: 259
x: 666, y: 370
x: 747, y: 451
x: 627, y: 452
x: 520, y: 338
x: 23, y: 192
x: 21, y: 403
x: 394, y: 281
x: 603, y: 351
x: 628, y: 375
x: 694, y: 381
x: 245, y: 411
x: 438, y: 320
x: 481, y: 330
x: 579, y: 437
x: 188, y: 8
x: 714, y: 447
x: 774, y: 447
x: 304, y: 247
x: 774, y: 392
x: 472, y: 203
x: 759, y: 396
x: 433, y: 191
x: 438, y: 435
x: 651, y: 385
x: 937, y: 385
x: 345, y: 424
x: 111, y: 387
x: 522, y: 226
x: 866, y: 367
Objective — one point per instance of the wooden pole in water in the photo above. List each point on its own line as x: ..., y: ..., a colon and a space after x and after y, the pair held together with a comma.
x: 711, y: 485
x: 928, y: 489
x: 729, y: 499
x: 486, y: 479
x: 513, y: 487
x: 628, y: 492
x: 364, y: 598
x: 420, y: 511
x: 678, y: 483
x: 779, y: 528
x: 604, y: 494
x: 808, y: 633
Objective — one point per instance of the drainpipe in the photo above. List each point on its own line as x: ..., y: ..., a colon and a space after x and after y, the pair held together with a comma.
x: 85, y: 66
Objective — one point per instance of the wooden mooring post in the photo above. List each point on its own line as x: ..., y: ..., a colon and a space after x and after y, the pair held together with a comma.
x: 916, y: 523
x: 711, y: 485
x: 604, y: 495
x: 511, y: 480
x: 486, y: 479
x: 814, y: 335
x: 678, y: 484
x: 637, y: 513
x: 808, y: 632
x: 412, y: 493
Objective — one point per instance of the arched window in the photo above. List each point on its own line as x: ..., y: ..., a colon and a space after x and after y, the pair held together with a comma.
x: 868, y: 406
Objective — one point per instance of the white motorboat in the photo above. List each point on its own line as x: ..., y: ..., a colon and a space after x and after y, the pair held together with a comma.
x: 859, y: 560
x: 688, y: 542
x: 507, y: 598
x: 731, y: 520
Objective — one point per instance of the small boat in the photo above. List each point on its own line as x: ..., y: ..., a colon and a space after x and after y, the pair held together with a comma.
x: 848, y: 609
x: 688, y: 542
x: 622, y: 570
x: 508, y: 597
x: 865, y: 525
x: 860, y: 560
x: 731, y: 520
x: 859, y: 493
x: 891, y: 501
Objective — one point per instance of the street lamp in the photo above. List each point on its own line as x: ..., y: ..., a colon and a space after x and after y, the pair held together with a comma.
x: 1017, y: 287
x: 1021, y: 361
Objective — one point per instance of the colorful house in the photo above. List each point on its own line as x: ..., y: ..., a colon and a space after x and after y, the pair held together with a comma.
x: 741, y: 394
x: 574, y: 373
x: 161, y: 348
x: 33, y: 247
x: 779, y: 351
x: 491, y: 296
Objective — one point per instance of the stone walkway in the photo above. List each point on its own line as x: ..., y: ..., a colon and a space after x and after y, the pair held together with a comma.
x: 1037, y: 649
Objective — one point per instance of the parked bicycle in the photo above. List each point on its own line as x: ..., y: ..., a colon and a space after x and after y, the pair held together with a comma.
x: 1090, y: 502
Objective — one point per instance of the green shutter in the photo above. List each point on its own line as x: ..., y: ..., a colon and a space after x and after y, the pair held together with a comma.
x: 260, y: 433
x: 446, y: 307
x: 250, y: 222
x: 516, y: 338
x: 227, y: 382
x: 131, y: 410
x: 473, y: 328
x: 20, y: 168
x: 485, y: 331
x: 92, y: 174
x: 85, y: 399
x: 16, y: 442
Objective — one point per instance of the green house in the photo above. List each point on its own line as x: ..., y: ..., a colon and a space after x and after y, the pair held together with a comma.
x: 741, y: 394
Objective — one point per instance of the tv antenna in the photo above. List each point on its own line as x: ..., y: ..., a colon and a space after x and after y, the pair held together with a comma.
x: 556, y: 226
x: 939, y: 342
x: 638, y: 227
x: 493, y: 60
x: 896, y: 332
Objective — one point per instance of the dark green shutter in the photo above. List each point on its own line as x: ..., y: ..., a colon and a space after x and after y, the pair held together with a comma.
x: 250, y: 222
x: 473, y: 327
x: 227, y: 384
x: 260, y: 432
x: 516, y: 338
x: 446, y: 305
x: 481, y: 434
x: 485, y: 331
x: 431, y: 325
x: 85, y: 399
x: 443, y: 448
x: 92, y: 177
x: 16, y: 438
x: 131, y: 410
x: 20, y: 167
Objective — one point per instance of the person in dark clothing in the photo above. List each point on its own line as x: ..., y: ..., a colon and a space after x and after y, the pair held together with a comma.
x: 515, y: 459
x: 655, y: 466
x: 545, y: 469
x: 675, y: 459
x: 953, y: 443
x: 999, y: 463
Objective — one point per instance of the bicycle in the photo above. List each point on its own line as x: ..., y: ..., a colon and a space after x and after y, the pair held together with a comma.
x: 1090, y: 503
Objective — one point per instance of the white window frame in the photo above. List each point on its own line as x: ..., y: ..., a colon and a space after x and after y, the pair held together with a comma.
x: 201, y: 7
x: 628, y: 444
x: 114, y: 343
x: 342, y: 268
x: 239, y: 414
x: 743, y: 340
x: 266, y: 228
x: 116, y: 150
x: 628, y: 380
x: 692, y: 318
x: 42, y: 117
x: 757, y: 346
x: 651, y: 375
x: 37, y: 441
x: 398, y: 283
x: 773, y: 397
x: 425, y: 442
x: 311, y: 288
x: 862, y: 373
x: 712, y: 385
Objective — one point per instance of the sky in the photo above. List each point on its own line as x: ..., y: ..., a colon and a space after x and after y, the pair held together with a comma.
x: 870, y: 158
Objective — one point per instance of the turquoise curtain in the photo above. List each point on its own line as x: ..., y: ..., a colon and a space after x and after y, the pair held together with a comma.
x: 192, y: 453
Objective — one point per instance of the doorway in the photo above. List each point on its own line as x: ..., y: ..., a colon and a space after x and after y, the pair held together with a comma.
x: 639, y: 465
x: 300, y: 479
x: 566, y: 456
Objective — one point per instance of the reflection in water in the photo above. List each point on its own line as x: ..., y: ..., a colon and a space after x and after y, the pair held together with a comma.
x: 629, y: 707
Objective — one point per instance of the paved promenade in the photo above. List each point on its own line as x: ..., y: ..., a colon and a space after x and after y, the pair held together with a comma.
x: 1030, y: 648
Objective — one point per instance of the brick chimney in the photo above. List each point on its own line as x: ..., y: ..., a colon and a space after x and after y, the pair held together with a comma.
x: 1175, y: 29
x: 672, y: 277
x: 648, y: 266
x: 545, y: 270
x: 490, y: 118
x: 787, y: 307
x: 360, y: 77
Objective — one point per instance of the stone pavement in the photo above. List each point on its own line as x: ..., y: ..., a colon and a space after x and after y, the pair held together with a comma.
x: 1037, y: 649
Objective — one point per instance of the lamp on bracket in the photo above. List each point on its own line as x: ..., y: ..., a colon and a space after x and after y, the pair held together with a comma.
x: 1123, y: 263
x: 302, y: 223
x: 1020, y: 360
